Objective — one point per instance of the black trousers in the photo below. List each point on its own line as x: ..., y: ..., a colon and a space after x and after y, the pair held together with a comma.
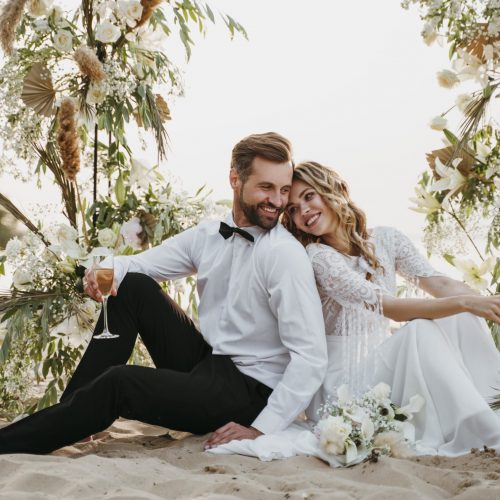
x: 190, y: 389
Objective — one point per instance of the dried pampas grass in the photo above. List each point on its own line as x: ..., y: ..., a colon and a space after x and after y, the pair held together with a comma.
x: 394, y: 442
x: 67, y: 139
x: 9, y: 19
x: 89, y: 64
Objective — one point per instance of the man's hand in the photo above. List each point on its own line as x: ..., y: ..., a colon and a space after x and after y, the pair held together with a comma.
x: 229, y: 432
x: 91, y: 288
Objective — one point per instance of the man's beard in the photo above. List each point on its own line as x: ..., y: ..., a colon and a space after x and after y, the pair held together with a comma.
x: 252, y: 214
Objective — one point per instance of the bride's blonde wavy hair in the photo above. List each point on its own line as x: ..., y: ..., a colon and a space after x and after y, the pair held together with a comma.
x: 335, y: 193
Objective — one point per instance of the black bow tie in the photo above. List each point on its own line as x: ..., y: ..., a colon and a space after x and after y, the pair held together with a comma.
x: 227, y: 231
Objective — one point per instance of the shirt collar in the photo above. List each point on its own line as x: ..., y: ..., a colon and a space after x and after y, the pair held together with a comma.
x: 255, y: 231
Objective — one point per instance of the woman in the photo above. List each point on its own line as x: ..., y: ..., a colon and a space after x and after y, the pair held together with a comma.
x: 444, y: 353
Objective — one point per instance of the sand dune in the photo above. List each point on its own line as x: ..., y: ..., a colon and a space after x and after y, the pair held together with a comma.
x: 136, y: 461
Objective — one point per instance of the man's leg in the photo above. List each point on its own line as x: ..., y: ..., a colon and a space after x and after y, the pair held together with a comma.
x: 214, y: 393
x: 141, y: 307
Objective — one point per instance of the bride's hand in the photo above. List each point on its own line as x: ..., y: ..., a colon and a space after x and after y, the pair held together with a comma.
x: 486, y: 307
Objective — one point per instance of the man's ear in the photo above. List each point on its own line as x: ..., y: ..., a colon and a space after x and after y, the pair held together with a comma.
x: 233, y: 178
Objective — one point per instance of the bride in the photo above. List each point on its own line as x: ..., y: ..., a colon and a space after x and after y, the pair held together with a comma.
x: 444, y: 352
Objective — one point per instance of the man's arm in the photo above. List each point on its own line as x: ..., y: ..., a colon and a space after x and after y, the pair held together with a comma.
x: 295, y: 302
x: 170, y: 260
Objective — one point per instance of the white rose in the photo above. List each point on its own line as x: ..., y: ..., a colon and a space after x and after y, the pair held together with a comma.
x: 21, y: 278
x: 13, y: 248
x: 381, y: 391
x: 447, y: 78
x: 96, y: 94
x: 130, y: 11
x: 107, y: 237
x: 334, y: 432
x: 66, y: 233
x: 63, y: 41
x: 429, y: 34
x: 130, y: 231
x: 107, y: 32
x: 438, y: 123
x: 37, y: 8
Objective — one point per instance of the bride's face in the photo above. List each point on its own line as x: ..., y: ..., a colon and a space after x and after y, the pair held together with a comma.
x: 308, y: 210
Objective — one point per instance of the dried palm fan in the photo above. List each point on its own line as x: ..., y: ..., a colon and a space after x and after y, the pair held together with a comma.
x: 446, y: 155
x: 38, y: 92
x: 476, y: 46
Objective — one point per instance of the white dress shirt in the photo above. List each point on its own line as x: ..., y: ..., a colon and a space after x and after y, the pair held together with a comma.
x: 258, y: 304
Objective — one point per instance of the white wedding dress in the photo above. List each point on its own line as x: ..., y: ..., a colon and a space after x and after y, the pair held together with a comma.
x: 452, y: 362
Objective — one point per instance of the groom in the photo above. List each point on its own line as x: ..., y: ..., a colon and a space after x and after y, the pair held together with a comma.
x: 259, y: 355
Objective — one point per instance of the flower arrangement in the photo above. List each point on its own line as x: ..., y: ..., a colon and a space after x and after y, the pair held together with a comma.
x: 460, y: 191
x: 353, y: 428
x: 78, y: 79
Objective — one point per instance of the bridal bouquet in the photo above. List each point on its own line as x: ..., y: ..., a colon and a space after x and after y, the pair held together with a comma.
x: 352, y: 428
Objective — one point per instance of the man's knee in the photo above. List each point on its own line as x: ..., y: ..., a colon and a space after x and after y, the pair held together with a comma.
x: 138, y: 282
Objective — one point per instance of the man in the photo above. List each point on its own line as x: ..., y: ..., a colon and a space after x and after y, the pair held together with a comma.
x: 261, y: 354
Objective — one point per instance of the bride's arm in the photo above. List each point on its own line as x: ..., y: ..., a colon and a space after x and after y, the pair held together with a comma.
x: 408, y: 309
x: 453, y: 296
x: 442, y: 286
x: 337, y: 280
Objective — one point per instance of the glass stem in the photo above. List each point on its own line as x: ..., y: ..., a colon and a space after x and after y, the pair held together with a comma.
x: 105, y: 308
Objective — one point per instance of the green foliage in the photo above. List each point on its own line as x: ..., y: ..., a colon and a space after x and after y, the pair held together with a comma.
x: 45, y: 315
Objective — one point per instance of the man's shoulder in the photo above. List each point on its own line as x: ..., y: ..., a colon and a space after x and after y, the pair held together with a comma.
x: 279, y: 245
x: 279, y: 236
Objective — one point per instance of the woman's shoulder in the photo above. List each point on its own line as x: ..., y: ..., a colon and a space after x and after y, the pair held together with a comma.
x: 315, y: 250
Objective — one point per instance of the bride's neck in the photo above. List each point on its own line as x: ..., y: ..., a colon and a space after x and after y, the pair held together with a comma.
x: 338, y: 239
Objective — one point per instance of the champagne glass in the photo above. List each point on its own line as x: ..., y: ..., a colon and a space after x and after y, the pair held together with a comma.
x: 103, y: 270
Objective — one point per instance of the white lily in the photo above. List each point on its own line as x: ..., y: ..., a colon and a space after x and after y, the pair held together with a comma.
x: 473, y: 273
x: 482, y: 151
x: 351, y: 452
x: 451, y: 177
x: 415, y: 404
x: 141, y: 174
x: 425, y: 202
x: 95, y: 252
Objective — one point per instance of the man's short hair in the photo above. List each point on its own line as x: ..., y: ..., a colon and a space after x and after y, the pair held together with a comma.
x: 270, y: 146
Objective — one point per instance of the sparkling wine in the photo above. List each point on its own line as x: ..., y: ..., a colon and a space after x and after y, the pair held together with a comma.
x: 104, y: 279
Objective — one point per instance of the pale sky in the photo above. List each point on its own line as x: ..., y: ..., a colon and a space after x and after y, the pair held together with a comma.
x: 350, y: 83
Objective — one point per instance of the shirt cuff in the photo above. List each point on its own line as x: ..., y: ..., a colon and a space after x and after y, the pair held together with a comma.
x: 269, y: 422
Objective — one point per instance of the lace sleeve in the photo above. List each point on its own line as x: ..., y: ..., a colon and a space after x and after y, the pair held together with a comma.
x: 409, y: 262
x: 337, y: 280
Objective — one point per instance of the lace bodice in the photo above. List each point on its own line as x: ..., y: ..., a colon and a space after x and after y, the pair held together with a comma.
x: 342, y: 282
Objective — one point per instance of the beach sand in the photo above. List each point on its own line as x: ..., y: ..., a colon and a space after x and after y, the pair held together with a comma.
x: 132, y: 460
